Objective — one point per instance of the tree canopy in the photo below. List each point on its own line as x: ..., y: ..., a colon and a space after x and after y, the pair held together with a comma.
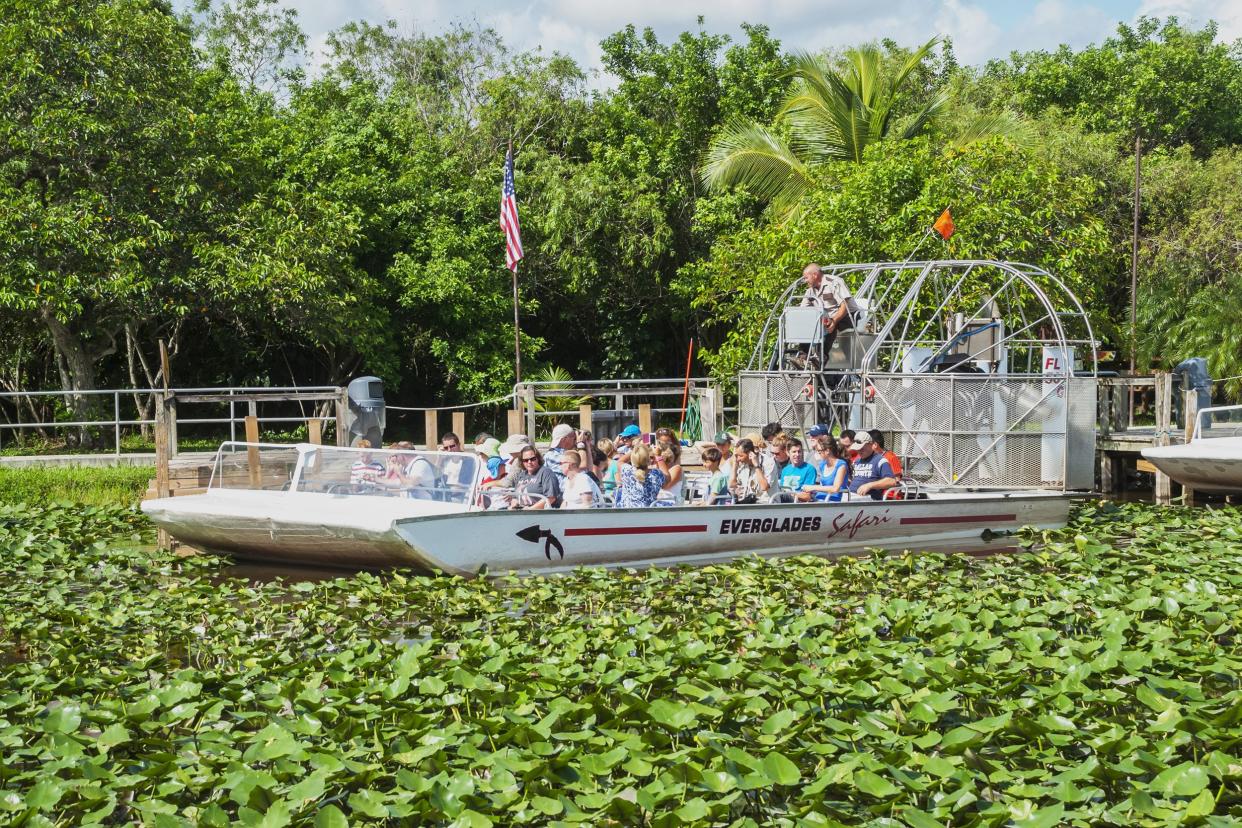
x: 184, y: 177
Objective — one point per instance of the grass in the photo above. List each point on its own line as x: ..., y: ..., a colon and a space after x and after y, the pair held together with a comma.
x: 84, y: 485
x: 1092, y: 680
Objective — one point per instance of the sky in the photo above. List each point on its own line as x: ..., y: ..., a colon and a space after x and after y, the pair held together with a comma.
x: 980, y: 29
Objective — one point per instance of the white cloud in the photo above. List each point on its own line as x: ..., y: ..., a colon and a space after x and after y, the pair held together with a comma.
x: 1054, y: 22
x: 975, y: 34
x: 1227, y: 13
x: 980, y: 29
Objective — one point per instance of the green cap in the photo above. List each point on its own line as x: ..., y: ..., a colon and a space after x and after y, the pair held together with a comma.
x: 722, y: 437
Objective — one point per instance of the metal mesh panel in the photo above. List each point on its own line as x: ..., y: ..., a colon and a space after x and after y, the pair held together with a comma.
x: 752, y: 401
x: 1080, y: 431
x: 787, y: 398
x: 792, y: 401
x: 980, y: 431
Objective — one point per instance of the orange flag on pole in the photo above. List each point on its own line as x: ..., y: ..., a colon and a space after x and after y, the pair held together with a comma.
x: 944, y: 225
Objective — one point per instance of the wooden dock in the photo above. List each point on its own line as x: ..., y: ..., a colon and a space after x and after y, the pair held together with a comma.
x: 1122, y: 433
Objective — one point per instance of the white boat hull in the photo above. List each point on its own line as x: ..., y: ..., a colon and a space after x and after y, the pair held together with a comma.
x: 1211, y: 465
x: 375, y: 532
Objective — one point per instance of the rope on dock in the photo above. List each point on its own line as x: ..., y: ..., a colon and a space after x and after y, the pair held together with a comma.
x: 505, y: 398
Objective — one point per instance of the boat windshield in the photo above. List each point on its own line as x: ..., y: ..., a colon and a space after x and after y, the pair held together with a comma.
x: 448, y: 477
x: 1218, y: 421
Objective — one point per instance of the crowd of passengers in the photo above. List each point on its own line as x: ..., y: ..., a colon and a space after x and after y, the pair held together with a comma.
x: 578, y: 472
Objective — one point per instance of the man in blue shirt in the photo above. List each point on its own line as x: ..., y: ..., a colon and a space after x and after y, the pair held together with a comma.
x: 871, y: 474
x: 562, y: 440
x: 798, y: 472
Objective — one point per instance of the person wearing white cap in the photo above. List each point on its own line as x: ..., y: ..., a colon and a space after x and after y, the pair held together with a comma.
x: 563, y: 437
x: 510, y: 450
x: 871, y: 474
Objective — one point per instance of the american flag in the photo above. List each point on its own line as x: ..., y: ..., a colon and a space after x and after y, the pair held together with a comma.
x: 509, y: 216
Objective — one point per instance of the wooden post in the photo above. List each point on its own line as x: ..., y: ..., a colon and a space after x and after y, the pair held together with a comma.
x: 529, y: 404
x: 514, y: 421
x: 170, y: 400
x: 170, y: 422
x: 459, y: 426
x: 252, y: 452
x: 314, y: 431
x: 1104, y: 409
x: 1190, y: 405
x: 1164, y: 417
x: 584, y: 417
x: 644, y: 418
x: 162, y: 487
x: 1110, y: 471
x: 342, y: 416
x: 431, y: 421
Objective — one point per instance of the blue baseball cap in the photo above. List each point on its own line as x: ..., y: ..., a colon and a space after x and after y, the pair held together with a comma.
x: 817, y: 430
x: 630, y: 430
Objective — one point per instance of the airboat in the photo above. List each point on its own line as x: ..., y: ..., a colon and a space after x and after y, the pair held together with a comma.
x: 981, y: 374
x: 1212, y: 460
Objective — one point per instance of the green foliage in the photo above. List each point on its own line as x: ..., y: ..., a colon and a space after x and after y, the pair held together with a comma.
x: 1091, y: 679
x: 834, y: 110
x: 256, y: 40
x: 554, y: 380
x: 1171, y: 84
x: 1191, y: 263
x: 1007, y: 203
x: 178, y: 177
x: 84, y: 485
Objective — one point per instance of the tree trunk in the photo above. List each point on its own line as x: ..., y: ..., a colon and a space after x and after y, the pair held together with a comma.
x: 77, y: 360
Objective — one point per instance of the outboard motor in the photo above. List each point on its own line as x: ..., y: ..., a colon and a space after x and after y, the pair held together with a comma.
x: 1194, y: 375
x: 366, y: 410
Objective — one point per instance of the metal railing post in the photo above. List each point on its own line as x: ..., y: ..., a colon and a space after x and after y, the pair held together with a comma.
x: 116, y: 417
x: 232, y: 418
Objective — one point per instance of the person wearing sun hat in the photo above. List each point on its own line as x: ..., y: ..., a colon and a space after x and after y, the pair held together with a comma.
x: 489, y: 450
x: 871, y: 474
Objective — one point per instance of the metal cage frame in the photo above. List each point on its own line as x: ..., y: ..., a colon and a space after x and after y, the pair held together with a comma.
x: 968, y: 364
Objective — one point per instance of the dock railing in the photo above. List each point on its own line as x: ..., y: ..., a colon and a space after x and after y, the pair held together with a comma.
x: 118, y: 413
x: 607, y: 406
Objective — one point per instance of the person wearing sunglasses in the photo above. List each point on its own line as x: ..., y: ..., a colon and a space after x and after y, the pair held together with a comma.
x: 534, y: 484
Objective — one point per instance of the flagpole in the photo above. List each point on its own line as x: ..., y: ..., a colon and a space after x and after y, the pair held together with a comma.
x: 517, y: 335
x: 923, y: 238
x: 517, y: 324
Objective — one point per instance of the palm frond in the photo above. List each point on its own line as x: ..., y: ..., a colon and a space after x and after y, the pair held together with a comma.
x: 865, y: 75
x: 1013, y: 128
x: 913, y: 61
x: 754, y: 156
x: 929, y: 111
x: 825, y: 112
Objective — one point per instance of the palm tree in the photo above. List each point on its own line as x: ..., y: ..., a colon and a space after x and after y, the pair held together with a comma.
x: 830, y: 114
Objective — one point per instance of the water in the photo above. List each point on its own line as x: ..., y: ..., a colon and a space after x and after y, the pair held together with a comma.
x: 263, y: 572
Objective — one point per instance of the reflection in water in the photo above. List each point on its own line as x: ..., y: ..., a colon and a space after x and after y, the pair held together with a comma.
x: 262, y: 572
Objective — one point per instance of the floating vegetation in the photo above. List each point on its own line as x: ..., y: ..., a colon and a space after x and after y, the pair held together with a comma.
x: 1094, y: 680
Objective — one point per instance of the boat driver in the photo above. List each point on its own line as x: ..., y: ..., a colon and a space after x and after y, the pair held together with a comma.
x: 831, y: 295
x: 871, y: 475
